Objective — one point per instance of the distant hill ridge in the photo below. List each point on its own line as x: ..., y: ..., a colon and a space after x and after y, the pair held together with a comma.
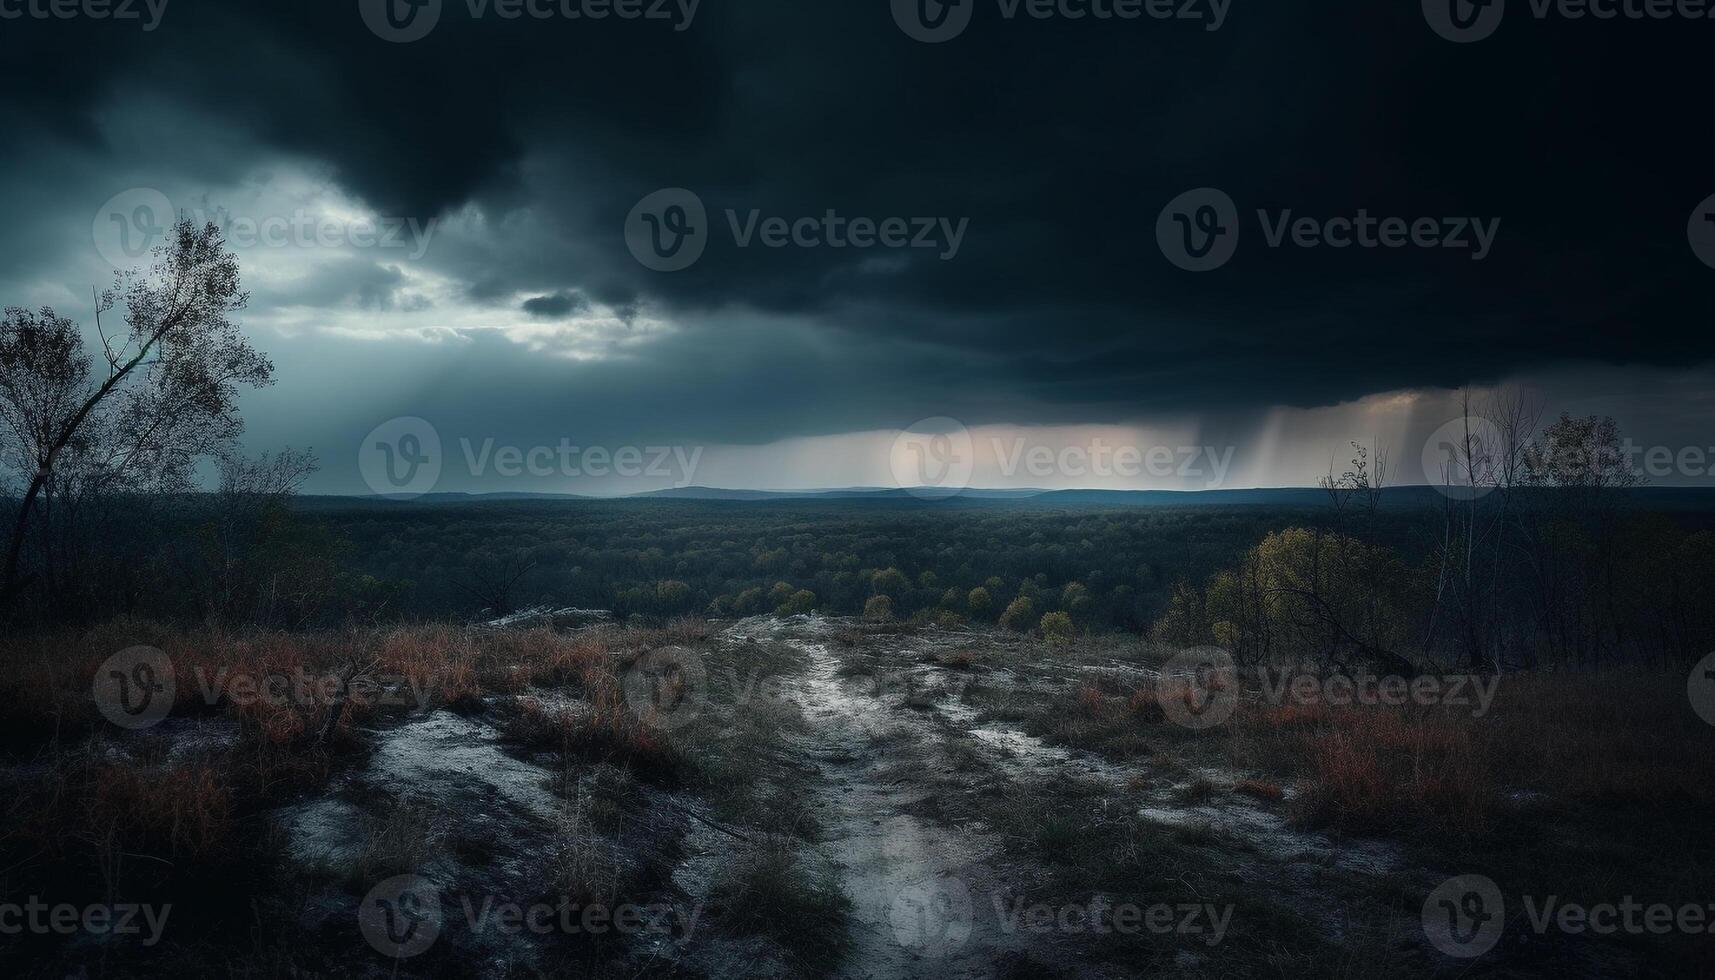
x: 1392, y: 497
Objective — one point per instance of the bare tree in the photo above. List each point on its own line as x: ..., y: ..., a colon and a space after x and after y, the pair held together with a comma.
x: 1483, y: 474
x: 249, y: 502
x: 167, y: 398
x: 1579, y: 473
x: 492, y: 580
x: 1360, y: 487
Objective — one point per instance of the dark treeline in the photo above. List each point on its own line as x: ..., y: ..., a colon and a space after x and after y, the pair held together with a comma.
x: 1545, y: 550
x: 1342, y: 584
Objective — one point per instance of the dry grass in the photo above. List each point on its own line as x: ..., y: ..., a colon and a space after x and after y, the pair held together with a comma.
x: 1616, y: 738
x: 399, y: 843
x: 1393, y: 770
x: 589, y: 868
x: 959, y: 660
x: 775, y: 889
x: 1256, y: 789
x: 182, y: 812
x: 613, y: 731
x: 89, y: 796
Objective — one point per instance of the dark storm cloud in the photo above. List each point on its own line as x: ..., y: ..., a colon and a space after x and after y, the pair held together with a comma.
x: 1060, y: 141
x: 559, y: 305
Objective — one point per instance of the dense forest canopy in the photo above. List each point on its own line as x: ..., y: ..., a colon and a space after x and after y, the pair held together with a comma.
x: 1289, y: 581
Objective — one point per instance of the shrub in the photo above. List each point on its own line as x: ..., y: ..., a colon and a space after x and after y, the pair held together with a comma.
x: 1020, y: 613
x: 979, y: 601
x: 879, y: 609
x: 890, y: 583
x: 1057, y: 627
x: 802, y: 601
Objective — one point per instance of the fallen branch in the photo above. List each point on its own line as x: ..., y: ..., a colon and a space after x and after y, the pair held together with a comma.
x: 705, y: 820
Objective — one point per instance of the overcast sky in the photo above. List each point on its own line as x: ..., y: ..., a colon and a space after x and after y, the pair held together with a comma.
x: 444, y: 225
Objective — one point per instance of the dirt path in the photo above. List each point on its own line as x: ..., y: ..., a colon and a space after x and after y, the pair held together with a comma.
x: 888, y: 730
x: 914, y: 884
